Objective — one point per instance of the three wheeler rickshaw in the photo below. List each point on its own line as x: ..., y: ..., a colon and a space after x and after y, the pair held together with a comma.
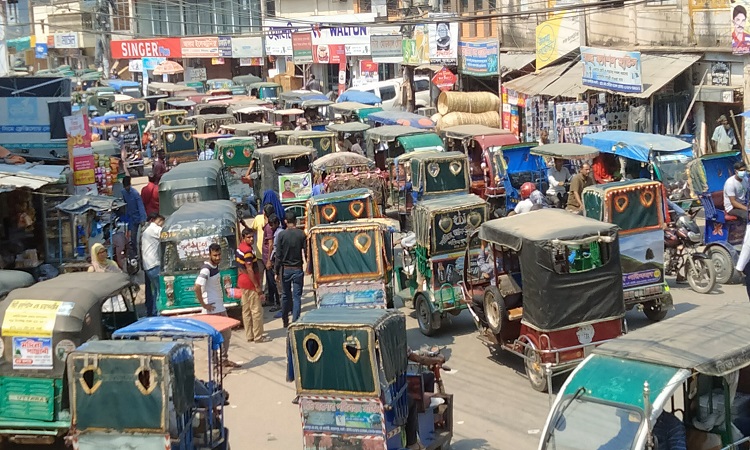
x: 99, y: 99
x: 324, y: 142
x: 207, y: 140
x: 516, y: 302
x: 316, y: 113
x: 177, y: 142
x: 211, y: 108
x: 264, y: 133
x: 639, y: 208
x: 573, y: 156
x: 203, y: 333
x: 723, y: 233
x: 236, y: 153
x: 169, y: 117
x: 285, y: 118
x: 250, y: 111
x: 246, y: 80
x: 646, y: 155
x: 172, y: 89
x: 341, y: 206
x: 428, y: 269
x: 139, y: 392
x: 390, y: 141
x: 225, y: 84
x: 352, y: 263
x: 139, y: 107
x: 404, y: 118
x: 192, y: 182
x: 41, y: 324
x: 294, y: 99
x: 348, y: 130
x: 286, y: 170
x: 681, y: 383
x: 13, y: 279
x: 351, y: 111
x: 211, y: 123
x: 125, y: 87
x: 480, y: 144
x: 185, y: 238
x: 129, y: 141
x: 175, y: 104
x: 264, y: 90
x: 342, y: 171
x: 357, y: 392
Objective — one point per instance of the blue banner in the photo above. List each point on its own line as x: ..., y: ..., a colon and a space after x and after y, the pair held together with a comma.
x: 225, y: 46
x: 478, y: 58
x: 40, y: 51
x: 612, y: 70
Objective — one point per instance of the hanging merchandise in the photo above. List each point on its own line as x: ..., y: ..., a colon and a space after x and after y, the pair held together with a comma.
x: 572, y: 121
x: 540, y: 115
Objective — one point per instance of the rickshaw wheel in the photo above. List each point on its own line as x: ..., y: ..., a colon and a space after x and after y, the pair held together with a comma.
x: 723, y: 264
x: 425, y: 317
x: 495, y: 310
x: 654, y: 311
x: 534, y: 371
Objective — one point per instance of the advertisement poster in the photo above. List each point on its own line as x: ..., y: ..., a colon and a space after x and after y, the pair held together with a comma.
x: 79, y: 149
x: 145, y: 48
x: 32, y: 318
x: 740, y: 36
x: 345, y: 416
x: 195, y: 248
x: 614, y: 70
x: 443, y: 43
x: 32, y: 353
x: 225, y: 46
x: 368, y: 72
x: 387, y: 49
x: 295, y: 186
x: 247, y: 47
x: 478, y: 58
x: 329, y: 54
x: 444, y: 79
x: 417, y: 49
x: 302, y: 48
x: 200, y: 47
x: 642, y: 258
x: 557, y: 37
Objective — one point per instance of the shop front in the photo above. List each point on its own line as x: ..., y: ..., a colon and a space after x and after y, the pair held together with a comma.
x: 576, y: 97
x: 142, y: 55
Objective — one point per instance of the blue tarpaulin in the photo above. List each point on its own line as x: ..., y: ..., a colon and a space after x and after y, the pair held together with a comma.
x: 401, y: 118
x: 633, y: 145
x: 171, y: 327
x: 368, y: 98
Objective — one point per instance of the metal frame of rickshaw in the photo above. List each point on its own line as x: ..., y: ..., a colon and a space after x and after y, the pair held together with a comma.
x: 203, y: 122
x: 519, y: 161
x: 101, y: 123
x: 517, y: 334
x: 663, y: 348
x: 191, y: 330
x: 573, y: 154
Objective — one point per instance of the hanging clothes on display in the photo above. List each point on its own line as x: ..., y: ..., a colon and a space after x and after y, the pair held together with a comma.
x: 639, y: 119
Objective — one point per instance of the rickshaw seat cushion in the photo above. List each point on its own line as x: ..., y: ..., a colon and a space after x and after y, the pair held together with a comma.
x: 508, y: 286
x: 729, y: 218
x: 718, y: 199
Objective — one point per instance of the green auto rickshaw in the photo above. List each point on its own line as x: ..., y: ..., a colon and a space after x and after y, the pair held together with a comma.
x: 341, y: 206
x: 384, y: 144
x: 638, y: 207
x: 236, y: 153
x: 192, y: 182
x: 352, y: 263
x: 177, y: 142
x: 264, y: 90
x: 185, y: 238
x: 41, y: 324
x: 264, y: 133
x: 324, y: 142
x: 211, y: 123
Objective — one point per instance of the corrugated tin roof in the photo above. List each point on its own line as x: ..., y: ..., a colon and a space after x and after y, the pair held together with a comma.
x: 534, y: 83
x: 32, y: 176
x: 568, y: 85
x: 658, y: 70
x: 510, y: 62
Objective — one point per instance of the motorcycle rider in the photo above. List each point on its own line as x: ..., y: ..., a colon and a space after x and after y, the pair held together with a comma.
x: 532, y: 199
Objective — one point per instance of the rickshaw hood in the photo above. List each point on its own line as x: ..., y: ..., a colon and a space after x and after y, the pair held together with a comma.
x: 14, y: 279
x: 206, y: 218
x: 633, y: 145
x: 171, y: 327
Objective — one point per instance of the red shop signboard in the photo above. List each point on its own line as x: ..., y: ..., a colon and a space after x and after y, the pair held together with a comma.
x: 146, y: 48
x: 444, y: 79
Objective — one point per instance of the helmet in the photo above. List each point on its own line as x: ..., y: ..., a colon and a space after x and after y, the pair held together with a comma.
x: 671, y: 240
x: 689, y: 229
x: 527, y: 188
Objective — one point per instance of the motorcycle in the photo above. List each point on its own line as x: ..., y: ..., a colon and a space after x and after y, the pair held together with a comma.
x: 681, y: 256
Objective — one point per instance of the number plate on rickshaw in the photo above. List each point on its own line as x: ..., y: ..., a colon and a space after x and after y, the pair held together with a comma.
x: 585, y: 334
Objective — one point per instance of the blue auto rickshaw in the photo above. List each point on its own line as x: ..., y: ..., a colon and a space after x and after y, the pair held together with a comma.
x: 355, y: 383
x: 723, y: 233
x: 521, y: 166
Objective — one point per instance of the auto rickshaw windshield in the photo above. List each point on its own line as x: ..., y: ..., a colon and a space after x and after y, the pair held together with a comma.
x: 672, y: 168
x: 591, y: 425
x: 298, y: 164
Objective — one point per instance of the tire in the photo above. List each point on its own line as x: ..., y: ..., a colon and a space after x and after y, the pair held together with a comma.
x: 494, y: 310
x: 425, y: 317
x: 701, y: 275
x: 534, y: 370
x: 723, y: 264
x: 654, y: 311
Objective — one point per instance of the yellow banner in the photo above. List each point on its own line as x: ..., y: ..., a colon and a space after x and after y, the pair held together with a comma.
x: 83, y: 177
x: 30, y: 318
x: 556, y: 38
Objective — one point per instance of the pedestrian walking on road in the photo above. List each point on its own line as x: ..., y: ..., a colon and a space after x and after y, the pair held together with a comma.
x: 150, y: 195
x: 249, y: 281
x: 151, y: 261
x: 209, y: 295
x: 135, y: 213
x: 292, y: 245
x: 269, y: 236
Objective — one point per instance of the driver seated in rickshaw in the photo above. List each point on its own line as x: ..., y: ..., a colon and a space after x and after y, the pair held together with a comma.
x: 735, y: 194
x: 532, y: 200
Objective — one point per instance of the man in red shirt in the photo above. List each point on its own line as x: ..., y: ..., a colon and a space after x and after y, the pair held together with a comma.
x: 249, y: 281
x: 150, y: 195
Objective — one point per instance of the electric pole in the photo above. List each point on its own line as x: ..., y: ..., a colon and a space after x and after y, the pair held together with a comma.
x: 3, y: 41
x: 103, y: 30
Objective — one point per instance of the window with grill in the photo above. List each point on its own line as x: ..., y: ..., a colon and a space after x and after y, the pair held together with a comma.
x: 661, y: 3
x: 270, y: 8
x: 364, y: 6
x: 121, y: 16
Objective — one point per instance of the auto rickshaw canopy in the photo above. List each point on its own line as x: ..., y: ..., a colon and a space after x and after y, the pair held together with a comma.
x: 342, y: 161
x: 566, y: 150
x: 389, y: 133
x: 631, y: 204
x: 485, y: 136
x: 346, y: 350
x: 588, y: 294
x: 191, y: 175
x: 235, y: 151
x: 348, y: 127
x: 420, y: 141
x: 402, y: 118
x: 443, y: 224
x: 14, y: 279
x: 171, y: 327
x: 205, y: 218
x: 247, y: 129
x: 634, y: 145
x: 709, y: 172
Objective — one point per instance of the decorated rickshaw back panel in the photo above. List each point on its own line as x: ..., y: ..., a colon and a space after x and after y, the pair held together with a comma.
x: 358, y: 294
x: 343, y: 255
x: 443, y: 225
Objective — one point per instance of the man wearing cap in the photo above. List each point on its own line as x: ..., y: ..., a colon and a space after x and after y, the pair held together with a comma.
x: 723, y: 138
x: 302, y: 124
x: 735, y: 193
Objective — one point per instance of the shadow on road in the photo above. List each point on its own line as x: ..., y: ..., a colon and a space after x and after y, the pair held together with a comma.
x: 472, y: 444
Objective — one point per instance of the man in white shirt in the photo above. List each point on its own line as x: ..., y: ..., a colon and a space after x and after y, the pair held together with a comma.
x: 558, y: 175
x: 532, y: 200
x: 210, y: 296
x: 723, y: 138
x: 735, y: 193
x: 151, y: 261
x: 207, y: 153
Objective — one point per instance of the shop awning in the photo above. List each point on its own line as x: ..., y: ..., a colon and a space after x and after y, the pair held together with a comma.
x: 534, y: 83
x: 28, y: 175
x: 568, y: 85
x: 658, y: 70
x: 510, y: 62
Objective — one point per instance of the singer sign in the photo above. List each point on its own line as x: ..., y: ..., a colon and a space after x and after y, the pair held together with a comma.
x: 146, y: 48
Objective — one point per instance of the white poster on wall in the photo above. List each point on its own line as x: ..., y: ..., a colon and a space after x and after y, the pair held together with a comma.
x: 443, y: 43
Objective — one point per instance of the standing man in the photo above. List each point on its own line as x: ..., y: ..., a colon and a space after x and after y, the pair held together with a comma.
x: 291, y: 247
x: 249, y: 281
x: 151, y: 261
x: 259, y: 227
x: 209, y: 295
x: 578, y: 183
x: 313, y: 84
x: 735, y: 193
x: 150, y: 195
x: 269, y: 256
x: 135, y: 213
x: 723, y: 138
